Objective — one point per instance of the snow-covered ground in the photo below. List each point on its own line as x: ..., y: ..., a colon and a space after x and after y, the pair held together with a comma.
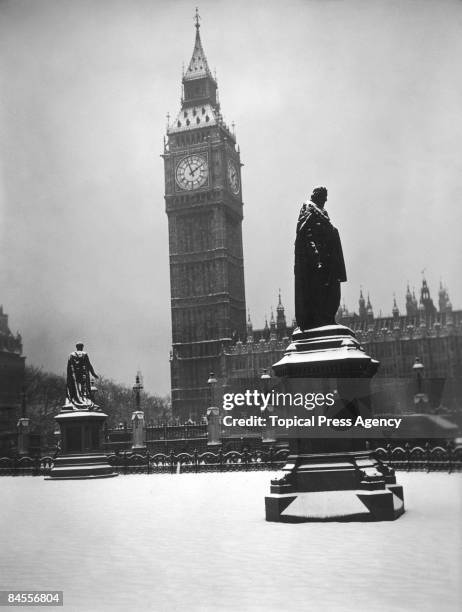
x: 199, y: 542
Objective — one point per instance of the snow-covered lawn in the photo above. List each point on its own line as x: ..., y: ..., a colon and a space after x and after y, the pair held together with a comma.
x: 200, y: 542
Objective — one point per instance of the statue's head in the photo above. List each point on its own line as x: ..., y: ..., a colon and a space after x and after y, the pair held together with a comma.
x: 79, y: 346
x: 319, y: 196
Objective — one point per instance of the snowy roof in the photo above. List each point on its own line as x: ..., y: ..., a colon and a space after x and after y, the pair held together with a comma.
x: 194, y: 117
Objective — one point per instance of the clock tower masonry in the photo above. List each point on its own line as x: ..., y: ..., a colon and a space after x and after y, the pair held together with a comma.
x: 203, y: 197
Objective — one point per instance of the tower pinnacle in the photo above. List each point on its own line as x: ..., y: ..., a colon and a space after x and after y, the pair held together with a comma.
x: 280, y: 317
x: 198, y: 66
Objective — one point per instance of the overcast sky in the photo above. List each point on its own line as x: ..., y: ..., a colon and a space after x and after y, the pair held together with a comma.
x: 364, y: 96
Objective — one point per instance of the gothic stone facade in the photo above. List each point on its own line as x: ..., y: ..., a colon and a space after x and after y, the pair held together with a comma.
x: 11, y: 382
x: 434, y: 335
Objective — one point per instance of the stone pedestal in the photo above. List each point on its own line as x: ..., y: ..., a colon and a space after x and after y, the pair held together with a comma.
x: 332, y: 478
x: 81, y: 453
x: 138, y: 431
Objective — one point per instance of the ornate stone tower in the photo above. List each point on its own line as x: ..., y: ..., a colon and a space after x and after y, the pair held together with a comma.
x: 203, y: 199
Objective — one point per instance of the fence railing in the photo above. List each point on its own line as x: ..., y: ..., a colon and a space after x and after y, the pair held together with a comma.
x: 425, y: 458
x: 409, y: 458
x: 25, y: 466
x: 171, y: 463
x: 161, y: 463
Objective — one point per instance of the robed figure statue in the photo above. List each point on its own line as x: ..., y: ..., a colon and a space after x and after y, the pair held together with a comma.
x: 319, y: 265
x: 79, y: 368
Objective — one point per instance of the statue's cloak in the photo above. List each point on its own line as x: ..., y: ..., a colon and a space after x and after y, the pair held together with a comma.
x: 319, y: 268
x: 79, y: 369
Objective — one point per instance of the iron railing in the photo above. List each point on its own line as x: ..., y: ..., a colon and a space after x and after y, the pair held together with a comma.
x: 424, y: 458
x: 408, y: 458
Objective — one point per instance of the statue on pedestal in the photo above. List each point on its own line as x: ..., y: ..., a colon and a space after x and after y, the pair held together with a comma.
x: 79, y: 391
x: 330, y: 474
x: 80, y: 454
x: 319, y: 265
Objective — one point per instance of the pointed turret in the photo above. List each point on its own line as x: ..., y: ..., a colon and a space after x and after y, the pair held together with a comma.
x: 273, y: 335
x: 281, y: 324
x: 396, y: 319
x: 409, y: 303
x: 421, y: 313
x: 266, y: 329
x: 414, y: 301
x: 395, y: 310
x: 369, y: 311
x: 342, y: 312
x: 249, y: 329
x: 426, y: 300
x: 362, y: 305
x: 443, y: 299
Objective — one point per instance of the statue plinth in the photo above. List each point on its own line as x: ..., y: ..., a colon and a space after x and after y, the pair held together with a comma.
x: 81, y: 453
x: 334, y: 478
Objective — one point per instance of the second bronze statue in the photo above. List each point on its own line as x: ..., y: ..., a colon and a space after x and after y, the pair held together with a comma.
x: 319, y: 265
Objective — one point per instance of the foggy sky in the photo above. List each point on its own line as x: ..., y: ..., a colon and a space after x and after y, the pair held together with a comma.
x: 362, y: 96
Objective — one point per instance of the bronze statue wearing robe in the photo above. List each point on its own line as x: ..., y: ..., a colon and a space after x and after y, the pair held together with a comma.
x: 319, y: 265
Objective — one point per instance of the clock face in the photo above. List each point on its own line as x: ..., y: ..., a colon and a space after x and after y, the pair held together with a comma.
x: 233, y: 177
x: 192, y: 172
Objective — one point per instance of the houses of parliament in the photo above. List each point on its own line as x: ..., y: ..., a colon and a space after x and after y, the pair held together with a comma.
x: 211, y: 331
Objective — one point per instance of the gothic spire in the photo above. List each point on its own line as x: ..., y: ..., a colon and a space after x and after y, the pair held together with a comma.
x: 443, y: 298
x: 266, y: 330
x: 369, y: 311
x: 362, y: 305
x: 198, y: 66
x: 280, y: 317
x: 369, y: 305
x: 249, y: 328
x: 272, y: 326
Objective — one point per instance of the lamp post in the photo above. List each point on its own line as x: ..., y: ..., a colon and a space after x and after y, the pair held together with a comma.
x: 418, y: 369
x: 213, y: 414
x: 23, y: 427
x: 137, y: 388
x: 212, y: 383
x: 138, y: 417
x: 268, y: 434
x: 420, y: 398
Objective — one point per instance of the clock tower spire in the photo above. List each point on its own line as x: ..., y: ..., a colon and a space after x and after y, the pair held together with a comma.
x: 203, y: 198
x: 198, y: 83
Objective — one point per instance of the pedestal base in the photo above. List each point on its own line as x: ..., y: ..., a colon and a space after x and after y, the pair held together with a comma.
x: 335, y: 487
x: 81, y: 437
x: 385, y: 505
x: 78, y: 467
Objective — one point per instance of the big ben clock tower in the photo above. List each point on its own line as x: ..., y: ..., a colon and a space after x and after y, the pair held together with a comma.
x: 203, y: 197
